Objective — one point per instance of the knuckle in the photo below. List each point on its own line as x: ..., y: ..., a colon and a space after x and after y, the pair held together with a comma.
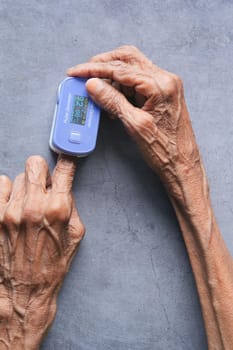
x: 82, y: 230
x: 179, y: 82
x: 130, y: 53
x: 173, y: 85
x: 31, y: 215
x: 129, y: 48
x: 120, y: 65
x: 10, y: 218
x: 77, y: 232
x: 133, y: 49
x: 58, y: 210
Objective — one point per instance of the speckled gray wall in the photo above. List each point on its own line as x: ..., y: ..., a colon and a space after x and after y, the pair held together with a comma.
x: 130, y: 286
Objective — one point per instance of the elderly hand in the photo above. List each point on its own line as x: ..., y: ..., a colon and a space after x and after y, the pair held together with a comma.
x: 39, y: 233
x: 157, y: 119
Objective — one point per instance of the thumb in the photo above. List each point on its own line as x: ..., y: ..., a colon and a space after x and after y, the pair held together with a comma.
x: 109, y: 98
x: 114, y: 102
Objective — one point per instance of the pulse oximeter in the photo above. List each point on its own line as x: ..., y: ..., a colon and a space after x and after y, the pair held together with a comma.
x: 76, y: 119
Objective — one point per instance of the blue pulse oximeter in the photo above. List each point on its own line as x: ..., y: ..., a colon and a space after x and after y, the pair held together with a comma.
x: 76, y: 119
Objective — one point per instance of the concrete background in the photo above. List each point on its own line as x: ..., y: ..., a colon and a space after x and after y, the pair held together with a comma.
x: 130, y: 285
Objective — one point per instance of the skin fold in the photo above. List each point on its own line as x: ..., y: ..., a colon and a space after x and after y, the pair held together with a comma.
x: 40, y: 228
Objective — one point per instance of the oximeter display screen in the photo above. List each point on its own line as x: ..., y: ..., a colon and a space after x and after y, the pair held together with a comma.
x: 79, y: 112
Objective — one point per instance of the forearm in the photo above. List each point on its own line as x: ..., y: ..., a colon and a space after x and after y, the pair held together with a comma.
x: 211, y: 261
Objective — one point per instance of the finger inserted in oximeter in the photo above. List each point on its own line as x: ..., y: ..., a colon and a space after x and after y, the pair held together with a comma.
x: 76, y: 119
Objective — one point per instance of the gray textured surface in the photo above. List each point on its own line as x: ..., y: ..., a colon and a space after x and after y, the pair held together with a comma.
x: 130, y: 286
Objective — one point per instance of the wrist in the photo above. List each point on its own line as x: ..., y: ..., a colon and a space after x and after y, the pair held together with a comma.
x: 14, y: 336
x: 189, y: 188
x: 26, y: 328
x: 189, y: 194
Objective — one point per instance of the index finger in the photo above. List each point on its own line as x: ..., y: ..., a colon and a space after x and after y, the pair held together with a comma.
x: 141, y: 80
x: 63, y: 174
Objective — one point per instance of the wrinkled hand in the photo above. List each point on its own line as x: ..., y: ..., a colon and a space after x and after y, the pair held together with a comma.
x: 151, y: 105
x: 39, y: 233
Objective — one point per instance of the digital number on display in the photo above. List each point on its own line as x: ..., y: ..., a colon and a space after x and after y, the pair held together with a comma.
x: 79, y: 110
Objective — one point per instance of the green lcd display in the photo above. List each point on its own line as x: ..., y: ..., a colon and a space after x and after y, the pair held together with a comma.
x: 79, y: 110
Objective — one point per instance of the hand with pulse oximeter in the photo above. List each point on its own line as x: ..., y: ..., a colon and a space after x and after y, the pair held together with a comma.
x: 41, y: 229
